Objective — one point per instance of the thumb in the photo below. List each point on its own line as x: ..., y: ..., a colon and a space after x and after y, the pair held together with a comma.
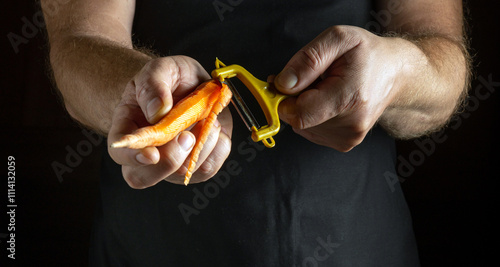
x: 163, y: 79
x: 153, y: 89
x: 307, y: 65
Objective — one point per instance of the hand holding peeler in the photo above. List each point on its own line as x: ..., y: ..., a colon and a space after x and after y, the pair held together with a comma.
x: 266, y: 95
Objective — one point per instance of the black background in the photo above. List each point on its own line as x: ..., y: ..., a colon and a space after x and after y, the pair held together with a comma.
x: 451, y: 192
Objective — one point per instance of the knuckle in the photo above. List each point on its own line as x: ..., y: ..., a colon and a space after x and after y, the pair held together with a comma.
x: 208, y: 168
x: 151, y: 77
x: 316, y: 53
x: 208, y: 172
x: 159, y: 64
x: 357, y: 135
x: 181, y: 171
x: 148, y: 85
x: 345, y: 35
x: 356, y: 138
x: 311, y: 57
x: 306, y: 119
x: 176, y: 179
x: 225, y: 143
x: 338, y: 31
x: 349, y: 144
x: 362, y: 97
x: 171, y: 161
x: 355, y: 102
x: 359, y: 129
x: 312, y: 108
x: 346, y: 148
x: 296, y: 123
x: 135, y: 182
x: 213, y: 163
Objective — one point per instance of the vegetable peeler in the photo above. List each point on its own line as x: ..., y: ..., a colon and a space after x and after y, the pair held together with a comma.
x: 266, y: 95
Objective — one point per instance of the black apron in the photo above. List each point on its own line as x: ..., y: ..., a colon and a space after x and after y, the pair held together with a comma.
x: 297, y: 204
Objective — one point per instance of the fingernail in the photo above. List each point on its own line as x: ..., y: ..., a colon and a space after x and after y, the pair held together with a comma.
x: 186, y: 141
x: 287, y: 79
x: 154, y: 107
x: 142, y: 159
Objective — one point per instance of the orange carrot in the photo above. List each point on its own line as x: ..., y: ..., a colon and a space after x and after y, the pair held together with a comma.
x: 206, y: 102
x: 193, y: 108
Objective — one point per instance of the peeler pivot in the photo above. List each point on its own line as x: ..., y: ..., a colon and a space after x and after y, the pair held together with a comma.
x: 266, y: 95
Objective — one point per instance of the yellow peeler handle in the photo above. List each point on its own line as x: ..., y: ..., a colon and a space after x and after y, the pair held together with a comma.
x: 264, y: 92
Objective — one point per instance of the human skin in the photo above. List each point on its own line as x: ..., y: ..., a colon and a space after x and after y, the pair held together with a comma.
x: 408, y: 85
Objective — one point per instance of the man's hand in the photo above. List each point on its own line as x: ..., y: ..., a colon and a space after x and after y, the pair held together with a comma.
x: 102, y: 78
x: 347, y: 77
x: 146, y: 99
x: 350, y: 79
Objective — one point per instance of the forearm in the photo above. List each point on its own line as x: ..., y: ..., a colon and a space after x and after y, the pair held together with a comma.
x: 436, y: 73
x: 432, y: 84
x: 91, y: 74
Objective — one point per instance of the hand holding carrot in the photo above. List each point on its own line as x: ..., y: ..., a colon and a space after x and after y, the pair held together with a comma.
x: 147, y: 98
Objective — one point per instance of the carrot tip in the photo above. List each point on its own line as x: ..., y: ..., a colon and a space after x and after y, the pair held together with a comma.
x: 122, y: 143
x: 187, y: 178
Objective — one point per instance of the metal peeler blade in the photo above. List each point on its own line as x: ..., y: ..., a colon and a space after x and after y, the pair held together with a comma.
x: 265, y: 94
x: 241, y: 107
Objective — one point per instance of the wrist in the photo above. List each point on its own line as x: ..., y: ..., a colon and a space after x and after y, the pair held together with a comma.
x: 91, y: 74
x: 409, y: 111
x: 409, y: 64
x: 429, y: 87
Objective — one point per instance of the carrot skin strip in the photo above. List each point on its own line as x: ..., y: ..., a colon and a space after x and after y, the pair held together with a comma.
x: 221, y: 102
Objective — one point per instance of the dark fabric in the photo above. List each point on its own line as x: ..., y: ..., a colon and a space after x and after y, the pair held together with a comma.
x: 297, y: 204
